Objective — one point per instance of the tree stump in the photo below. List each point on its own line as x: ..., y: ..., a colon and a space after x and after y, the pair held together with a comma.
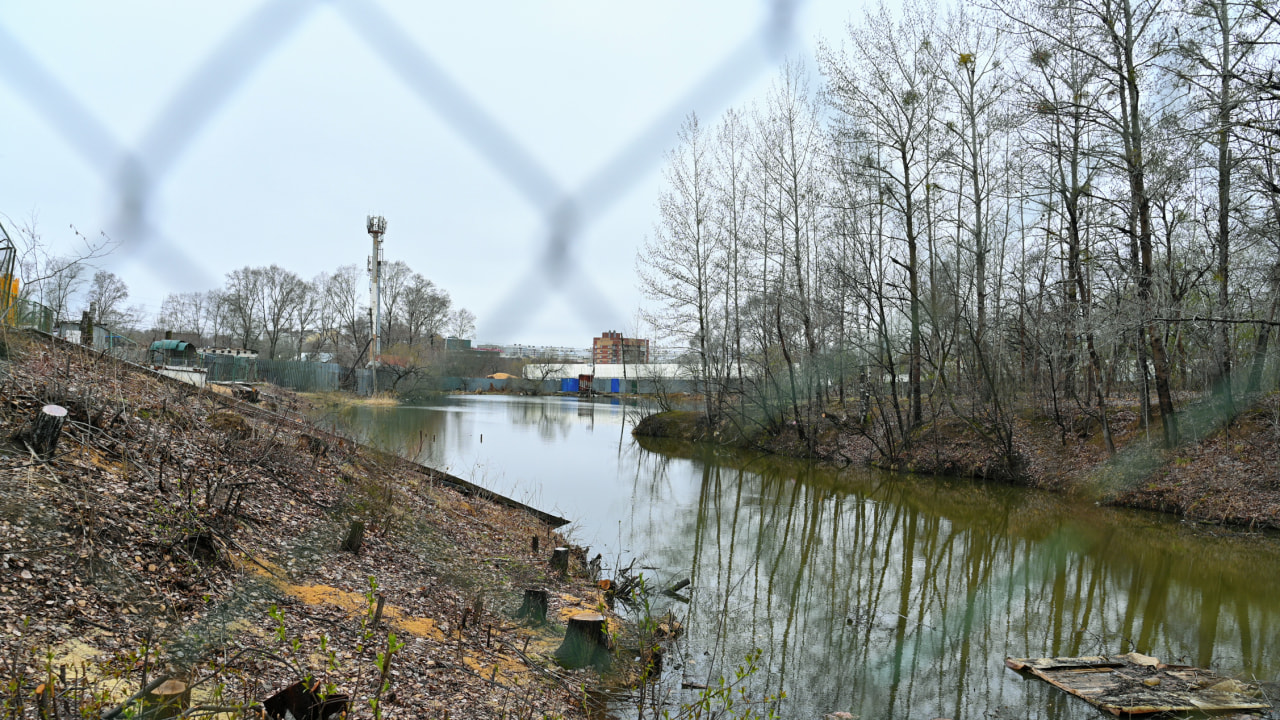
x: 585, y: 642
x: 560, y: 559
x: 304, y: 702
x: 42, y: 431
x: 536, y: 601
x: 355, y: 537
x: 46, y: 696
x: 166, y: 700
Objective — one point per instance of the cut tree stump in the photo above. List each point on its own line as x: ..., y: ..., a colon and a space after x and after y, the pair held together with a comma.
x: 167, y: 700
x: 303, y: 702
x: 586, y: 641
x: 536, y: 601
x: 46, y: 696
x: 42, y: 431
x: 560, y: 559
x: 355, y: 537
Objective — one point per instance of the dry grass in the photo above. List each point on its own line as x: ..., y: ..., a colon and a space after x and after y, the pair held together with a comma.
x: 341, y: 399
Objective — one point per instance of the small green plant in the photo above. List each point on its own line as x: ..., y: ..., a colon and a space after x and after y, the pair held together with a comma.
x: 731, y: 698
x: 384, y: 673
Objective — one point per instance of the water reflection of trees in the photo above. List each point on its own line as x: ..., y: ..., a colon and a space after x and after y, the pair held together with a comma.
x: 900, y: 597
x: 432, y: 434
x: 408, y: 432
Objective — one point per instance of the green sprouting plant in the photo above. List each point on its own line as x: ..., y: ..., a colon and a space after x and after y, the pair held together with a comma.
x: 731, y: 698
x: 384, y: 673
x: 275, y: 613
x: 370, y: 609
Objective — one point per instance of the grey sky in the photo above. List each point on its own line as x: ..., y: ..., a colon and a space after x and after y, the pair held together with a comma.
x: 283, y: 164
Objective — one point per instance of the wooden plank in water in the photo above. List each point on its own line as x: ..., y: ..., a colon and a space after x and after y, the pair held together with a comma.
x: 1137, y: 684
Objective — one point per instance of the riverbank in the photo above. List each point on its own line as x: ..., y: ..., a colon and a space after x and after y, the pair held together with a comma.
x: 1222, y: 472
x: 178, y: 532
x: 346, y: 399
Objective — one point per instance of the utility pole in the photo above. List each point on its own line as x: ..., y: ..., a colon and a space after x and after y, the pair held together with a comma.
x: 376, y: 225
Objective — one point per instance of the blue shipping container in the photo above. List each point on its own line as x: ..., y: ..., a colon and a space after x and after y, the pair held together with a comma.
x: 569, y: 385
x: 615, y: 385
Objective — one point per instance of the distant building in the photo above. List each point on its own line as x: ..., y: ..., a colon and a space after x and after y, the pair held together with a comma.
x: 173, y: 352
x: 612, y: 349
x: 545, y: 353
x: 449, y: 343
x: 667, y: 354
x: 557, y: 371
x: 229, y: 352
x: 103, y: 337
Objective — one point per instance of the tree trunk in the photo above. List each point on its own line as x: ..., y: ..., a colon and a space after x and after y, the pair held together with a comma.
x: 536, y: 601
x: 305, y: 702
x: 586, y: 641
x: 168, y: 700
x: 1223, y: 387
x: 1260, y: 349
x: 355, y: 537
x: 41, y: 432
x: 560, y: 559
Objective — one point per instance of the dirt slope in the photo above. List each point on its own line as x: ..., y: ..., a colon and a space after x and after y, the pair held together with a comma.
x: 175, y: 532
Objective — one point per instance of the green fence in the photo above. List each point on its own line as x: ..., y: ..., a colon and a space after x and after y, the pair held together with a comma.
x: 29, y: 314
x: 292, y: 374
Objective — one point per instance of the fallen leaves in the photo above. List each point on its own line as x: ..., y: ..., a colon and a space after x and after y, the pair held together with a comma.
x: 173, y: 519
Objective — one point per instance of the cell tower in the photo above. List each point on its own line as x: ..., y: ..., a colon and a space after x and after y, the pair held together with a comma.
x: 377, y: 226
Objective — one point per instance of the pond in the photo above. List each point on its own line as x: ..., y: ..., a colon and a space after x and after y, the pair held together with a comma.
x: 885, y: 595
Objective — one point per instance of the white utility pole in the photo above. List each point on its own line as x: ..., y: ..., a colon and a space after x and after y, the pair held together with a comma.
x: 376, y: 225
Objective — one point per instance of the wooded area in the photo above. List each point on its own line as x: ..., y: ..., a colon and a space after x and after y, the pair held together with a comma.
x: 269, y: 309
x: 274, y: 311
x: 976, y: 211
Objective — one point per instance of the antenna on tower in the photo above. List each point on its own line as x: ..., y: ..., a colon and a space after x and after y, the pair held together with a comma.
x: 377, y: 226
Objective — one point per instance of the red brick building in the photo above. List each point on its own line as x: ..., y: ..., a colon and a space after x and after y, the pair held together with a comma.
x: 612, y: 349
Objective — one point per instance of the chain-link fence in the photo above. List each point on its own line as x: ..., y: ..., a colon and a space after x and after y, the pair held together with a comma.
x: 135, y: 174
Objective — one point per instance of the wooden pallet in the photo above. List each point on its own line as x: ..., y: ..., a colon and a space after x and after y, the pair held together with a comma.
x: 1136, y: 684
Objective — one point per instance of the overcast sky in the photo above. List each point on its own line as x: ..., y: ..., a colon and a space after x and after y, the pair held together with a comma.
x: 210, y: 136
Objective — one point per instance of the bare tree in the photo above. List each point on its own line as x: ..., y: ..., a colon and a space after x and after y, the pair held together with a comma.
x: 242, y: 300
x: 63, y: 276
x: 187, y: 312
x: 677, y: 263
x: 279, y: 294
x: 107, y: 293
x: 1221, y: 41
x: 397, y: 279
x: 308, y: 313
x: 462, y: 323
x: 885, y: 82
x: 345, y: 294
x: 425, y: 309
x: 46, y: 275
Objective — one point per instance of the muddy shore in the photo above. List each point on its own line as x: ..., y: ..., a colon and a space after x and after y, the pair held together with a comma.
x: 1223, y: 472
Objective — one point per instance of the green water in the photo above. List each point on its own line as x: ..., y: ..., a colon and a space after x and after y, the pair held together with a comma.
x: 888, y: 596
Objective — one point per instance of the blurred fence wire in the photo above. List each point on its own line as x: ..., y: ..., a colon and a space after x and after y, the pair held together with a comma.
x: 136, y: 173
